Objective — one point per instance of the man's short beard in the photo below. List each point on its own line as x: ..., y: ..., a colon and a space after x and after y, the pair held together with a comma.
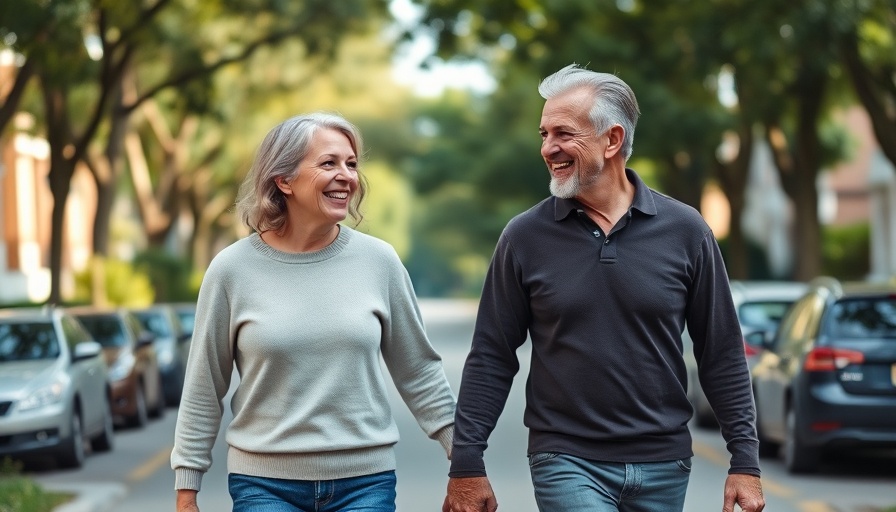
x: 572, y: 186
x: 566, y: 189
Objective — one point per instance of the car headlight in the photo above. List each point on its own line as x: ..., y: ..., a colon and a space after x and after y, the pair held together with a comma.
x: 52, y: 393
x: 123, y: 366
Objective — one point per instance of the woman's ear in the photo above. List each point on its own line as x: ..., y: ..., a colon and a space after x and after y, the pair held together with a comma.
x: 284, y: 186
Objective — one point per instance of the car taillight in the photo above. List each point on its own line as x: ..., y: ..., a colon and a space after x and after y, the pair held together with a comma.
x: 826, y: 359
x: 750, y: 350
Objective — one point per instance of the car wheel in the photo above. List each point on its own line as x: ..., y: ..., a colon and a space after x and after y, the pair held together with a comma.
x: 72, y: 454
x: 141, y: 415
x: 106, y: 440
x: 798, y: 457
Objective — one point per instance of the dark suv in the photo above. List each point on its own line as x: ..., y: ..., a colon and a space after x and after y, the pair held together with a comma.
x: 172, y: 343
x: 829, y: 380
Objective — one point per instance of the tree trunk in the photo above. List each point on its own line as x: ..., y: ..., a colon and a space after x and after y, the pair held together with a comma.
x: 733, y: 176
x: 61, y: 172
x: 799, y: 164
x: 874, y: 94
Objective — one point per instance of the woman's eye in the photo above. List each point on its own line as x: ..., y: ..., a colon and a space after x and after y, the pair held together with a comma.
x: 352, y: 165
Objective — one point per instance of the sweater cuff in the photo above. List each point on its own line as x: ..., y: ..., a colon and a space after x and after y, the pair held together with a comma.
x: 186, y: 478
x: 445, y: 437
x: 467, y: 461
x: 744, y: 458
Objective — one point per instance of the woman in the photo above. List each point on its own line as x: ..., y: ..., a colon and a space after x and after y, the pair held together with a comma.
x: 302, y: 308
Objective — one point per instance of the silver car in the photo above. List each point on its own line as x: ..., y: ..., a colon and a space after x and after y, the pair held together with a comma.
x: 54, y: 391
x: 760, y: 305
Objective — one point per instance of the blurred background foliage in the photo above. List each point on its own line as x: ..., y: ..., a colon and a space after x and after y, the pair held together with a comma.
x: 165, y: 101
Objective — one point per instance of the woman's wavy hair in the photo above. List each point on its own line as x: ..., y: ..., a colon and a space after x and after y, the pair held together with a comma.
x: 260, y: 203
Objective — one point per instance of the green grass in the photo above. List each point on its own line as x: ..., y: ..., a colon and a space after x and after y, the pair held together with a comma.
x: 21, y: 494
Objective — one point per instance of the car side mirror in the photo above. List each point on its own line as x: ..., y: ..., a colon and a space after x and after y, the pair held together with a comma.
x: 86, y: 350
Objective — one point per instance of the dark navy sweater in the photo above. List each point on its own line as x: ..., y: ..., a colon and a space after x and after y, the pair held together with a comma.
x: 605, y: 314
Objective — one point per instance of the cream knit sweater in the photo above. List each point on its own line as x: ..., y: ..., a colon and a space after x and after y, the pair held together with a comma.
x: 305, y: 333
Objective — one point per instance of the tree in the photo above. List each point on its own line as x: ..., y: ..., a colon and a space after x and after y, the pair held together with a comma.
x: 97, y: 49
x: 867, y: 46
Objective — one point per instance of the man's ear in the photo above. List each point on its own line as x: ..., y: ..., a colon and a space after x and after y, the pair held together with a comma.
x: 616, y: 134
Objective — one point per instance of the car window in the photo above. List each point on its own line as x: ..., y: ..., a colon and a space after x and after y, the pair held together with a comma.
x: 155, y: 323
x: 765, y: 316
x: 187, y: 319
x: 106, y: 330
x: 73, y: 331
x: 25, y: 341
x: 862, y: 318
x: 799, y: 326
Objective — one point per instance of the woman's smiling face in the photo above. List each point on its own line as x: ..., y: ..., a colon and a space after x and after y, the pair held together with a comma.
x: 327, y: 178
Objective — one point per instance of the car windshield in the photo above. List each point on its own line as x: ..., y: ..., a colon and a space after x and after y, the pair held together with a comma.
x: 762, y: 315
x: 27, y: 341
x: 154, y: 323
x: 106, y: 330
x: 863, y: 318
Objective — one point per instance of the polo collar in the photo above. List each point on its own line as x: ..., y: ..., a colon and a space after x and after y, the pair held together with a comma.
x: 643, y: 200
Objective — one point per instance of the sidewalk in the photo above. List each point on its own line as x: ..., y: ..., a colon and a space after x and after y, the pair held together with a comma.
x: 89, y: 497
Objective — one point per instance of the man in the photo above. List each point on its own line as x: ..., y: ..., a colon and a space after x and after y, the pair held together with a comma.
x: 603, y: 277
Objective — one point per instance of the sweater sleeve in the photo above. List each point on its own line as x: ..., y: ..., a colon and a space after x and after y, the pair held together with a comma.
x: 501, y: 326
x: 719, y: 351
x: 209, y: 370
x: 416, y: 368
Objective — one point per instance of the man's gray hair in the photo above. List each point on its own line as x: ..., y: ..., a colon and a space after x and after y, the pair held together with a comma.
x: 260, y: 204
x: 614, y: 100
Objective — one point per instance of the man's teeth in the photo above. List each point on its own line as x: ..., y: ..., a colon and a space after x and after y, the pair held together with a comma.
x: 336, y: 195
x: 561, y: 165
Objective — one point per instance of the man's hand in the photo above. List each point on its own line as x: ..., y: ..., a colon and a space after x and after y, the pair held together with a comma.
x: 744, y: 490
x: 472, y: 494
x: 186, y: 501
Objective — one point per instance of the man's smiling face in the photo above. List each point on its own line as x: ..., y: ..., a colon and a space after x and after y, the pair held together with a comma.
x: 571, y: 149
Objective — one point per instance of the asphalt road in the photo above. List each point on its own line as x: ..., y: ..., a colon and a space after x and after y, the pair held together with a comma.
x: 136, y: 475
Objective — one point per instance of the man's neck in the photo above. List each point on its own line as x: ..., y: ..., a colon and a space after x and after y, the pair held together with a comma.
x: 609, y: 198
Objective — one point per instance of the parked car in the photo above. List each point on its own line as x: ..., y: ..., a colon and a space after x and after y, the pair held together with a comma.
x: 133, y: 365
x: 829, y: 380
x: 760, y: 305
x: 54, y: 392
x: 172, y: 343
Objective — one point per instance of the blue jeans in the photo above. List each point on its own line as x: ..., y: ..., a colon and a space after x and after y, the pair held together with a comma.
x: 368, y: 493
x: 564, y: 483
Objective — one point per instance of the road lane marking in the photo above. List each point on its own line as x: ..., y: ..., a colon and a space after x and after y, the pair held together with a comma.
x: 151, y: 466
x: 718, y: 458
x: 815, y: 506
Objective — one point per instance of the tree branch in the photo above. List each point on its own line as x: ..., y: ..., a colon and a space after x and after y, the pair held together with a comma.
x: 11, y: 105
x: 193, y: 74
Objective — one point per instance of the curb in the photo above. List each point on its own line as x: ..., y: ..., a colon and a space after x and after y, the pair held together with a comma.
x: 89, y: 497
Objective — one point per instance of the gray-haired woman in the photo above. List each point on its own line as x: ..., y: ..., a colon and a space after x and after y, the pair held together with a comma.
x: 303, y: 308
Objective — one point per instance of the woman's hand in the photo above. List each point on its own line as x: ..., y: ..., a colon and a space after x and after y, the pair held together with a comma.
x: 186, y: 501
